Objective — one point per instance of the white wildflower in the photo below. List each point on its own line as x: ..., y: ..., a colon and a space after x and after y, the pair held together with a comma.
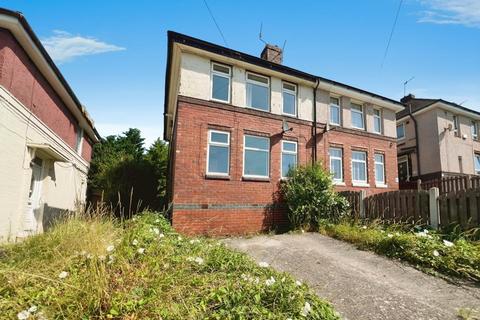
x: 435, y: 253
x: 198, y: 260
x: 63, y: 274
x: 161, y: 235
x: 364, y: 227
x: 306, y: 309
x: 110, y: 248
x: 32, y: 309
x: 190, y: 259
x: 157, y: 220
x: 156, y: 231
x: 390, y: 235
x: 270, y: 281
x: 298, y: 283
x: 425, y: 231
x: 179, y: 238
x: 89, y: 256
x: 448, y: 243
x: 194, y: 241
x: 263, y: 264
x: 421, y: 234
x: 256, y: 280
x: 141, y: 250
x: 135, y: 242
x: 23, y: 315
x: 397, y: 234
x: 382, y: 231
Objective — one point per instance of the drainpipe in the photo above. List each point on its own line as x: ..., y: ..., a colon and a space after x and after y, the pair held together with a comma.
x: 314, y: 154
x: 416, y: 138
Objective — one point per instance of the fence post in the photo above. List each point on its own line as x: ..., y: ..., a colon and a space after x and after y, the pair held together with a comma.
x: 434, y: 210
x: 363, y: 195
x: 419, y: 184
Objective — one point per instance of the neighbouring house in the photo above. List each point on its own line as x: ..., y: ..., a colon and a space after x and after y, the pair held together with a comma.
x: 436, y: 138
x: 46, y: 135
x: 237, y: 122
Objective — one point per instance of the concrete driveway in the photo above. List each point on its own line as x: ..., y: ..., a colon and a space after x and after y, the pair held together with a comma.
x: 360, y: 284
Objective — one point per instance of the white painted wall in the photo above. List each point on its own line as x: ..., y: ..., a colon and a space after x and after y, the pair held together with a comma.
x: 63, y: 184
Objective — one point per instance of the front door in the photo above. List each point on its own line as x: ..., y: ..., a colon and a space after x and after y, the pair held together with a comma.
x: 30, y: 220
x: 403, y: 172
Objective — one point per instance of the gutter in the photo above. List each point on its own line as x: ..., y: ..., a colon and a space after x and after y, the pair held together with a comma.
x: 314, y: 152
x: 415, y: 125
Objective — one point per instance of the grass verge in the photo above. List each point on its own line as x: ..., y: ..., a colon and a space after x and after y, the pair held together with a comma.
x: 425, y: 249
x: 96, y: 268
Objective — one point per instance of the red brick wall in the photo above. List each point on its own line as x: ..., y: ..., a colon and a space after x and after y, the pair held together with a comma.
x: 87, y: 148
x: 212, y: 206
x: 20, y: 76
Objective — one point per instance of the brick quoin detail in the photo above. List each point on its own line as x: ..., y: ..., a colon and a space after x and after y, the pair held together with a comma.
x: 237, y: 206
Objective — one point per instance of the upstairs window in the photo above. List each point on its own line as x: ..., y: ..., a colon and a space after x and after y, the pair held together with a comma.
x: 379, y: 168
x: 258, y: 92
x: 401, y: 131
x: 377, y: 121
x: 476, y: 159
x: 357, y: 116
x: 256, y: 157
x: 289, y: 156
x: 79, y: 142
x: 336, y: 164
x: 289, y: 99
x: 218, y: 153
x: 221, y: 82
x: 474, y: 130
x: 335, y: 117
x: 455, y: 125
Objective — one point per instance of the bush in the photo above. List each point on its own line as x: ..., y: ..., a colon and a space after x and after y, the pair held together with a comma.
x: 308, y: 193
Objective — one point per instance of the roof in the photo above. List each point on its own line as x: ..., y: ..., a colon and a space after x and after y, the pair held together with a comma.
x: 418, y: 104
x: 23, y: 21
x: 175, y: 37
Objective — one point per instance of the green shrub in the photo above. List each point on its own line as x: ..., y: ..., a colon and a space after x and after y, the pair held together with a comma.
x: 308, y: 193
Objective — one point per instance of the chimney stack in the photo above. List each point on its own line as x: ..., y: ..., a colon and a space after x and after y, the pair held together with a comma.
x: 272, y: 53
x: 407, y: 98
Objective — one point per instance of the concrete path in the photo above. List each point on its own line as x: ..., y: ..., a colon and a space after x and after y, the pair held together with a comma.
x: 360, y: 284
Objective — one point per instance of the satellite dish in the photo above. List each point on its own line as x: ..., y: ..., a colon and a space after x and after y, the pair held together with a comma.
x: 285, y: 127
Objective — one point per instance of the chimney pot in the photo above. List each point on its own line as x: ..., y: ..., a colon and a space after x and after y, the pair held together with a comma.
x: 272, y: 53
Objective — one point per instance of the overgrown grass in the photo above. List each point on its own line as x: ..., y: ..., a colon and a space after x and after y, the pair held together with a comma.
x: 95, y: 268
x: 425, y: 249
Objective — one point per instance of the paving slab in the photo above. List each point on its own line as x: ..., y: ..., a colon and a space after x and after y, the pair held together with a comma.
x: 360, y: 284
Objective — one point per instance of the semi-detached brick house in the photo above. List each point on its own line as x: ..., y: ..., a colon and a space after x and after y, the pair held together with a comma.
x: 226, y: 115
x: 46, y: 136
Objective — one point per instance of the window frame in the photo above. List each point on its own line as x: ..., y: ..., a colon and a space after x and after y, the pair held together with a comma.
x: 79, y: 140
x: 456, y: 125
x: 404, y: 133
x: 330, y: 158
x: 375, y: 162
x: 402, y: 159
x: 288, y: 152
x: 256, y: 149
x: 339, y: 107
x: 295, y: 94
x: 474, y: 125
x: 219, y: 144
x: 223, y: 75
x: 362, y: 113
x: 360, y: 182
x: 268, y: 85
x: 475, y: 156
x: 380, y: 120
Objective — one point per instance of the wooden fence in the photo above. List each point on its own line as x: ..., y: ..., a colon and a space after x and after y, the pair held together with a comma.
x: 419, y: 206
x: 445, y: 185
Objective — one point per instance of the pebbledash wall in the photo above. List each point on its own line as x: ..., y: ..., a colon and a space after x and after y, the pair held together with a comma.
x: 203, y: 204
x: 35, y: 122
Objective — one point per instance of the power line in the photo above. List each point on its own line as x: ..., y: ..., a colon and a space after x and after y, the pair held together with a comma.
x: 391, y: 32
x: 215, y: 21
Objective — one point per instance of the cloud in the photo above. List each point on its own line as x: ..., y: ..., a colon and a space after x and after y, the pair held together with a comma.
x: 63, y: 46
x: 461, y: 12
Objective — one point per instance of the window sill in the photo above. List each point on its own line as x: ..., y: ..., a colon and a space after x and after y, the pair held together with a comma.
x: 381, y: 185
x: 257, y: 179
x: 360, y: 184
x: 356, y: 128
x: 339, y: 183
x: 218, y: 100
x: 211, y: 176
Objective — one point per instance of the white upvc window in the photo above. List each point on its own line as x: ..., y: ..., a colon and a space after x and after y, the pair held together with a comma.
x: 359, y: 167
x: 258, y: 92
x: 220, y: 82
x: 289, y: 157
x: 358, y: 121
x: 218, y: 153
x: 401, y: 131
x: 377, y: 121
x: 336, y: 164
x: 476, y: 159
x: 455, y: 125
x: 289, y: 95
x: 335, y: 111
x: 474, y: 130
x: 256, y: 158
x: 379, y: 169
x: 79, y: 142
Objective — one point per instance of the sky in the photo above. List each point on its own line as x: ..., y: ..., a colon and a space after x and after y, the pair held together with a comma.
x: 113, y: 53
